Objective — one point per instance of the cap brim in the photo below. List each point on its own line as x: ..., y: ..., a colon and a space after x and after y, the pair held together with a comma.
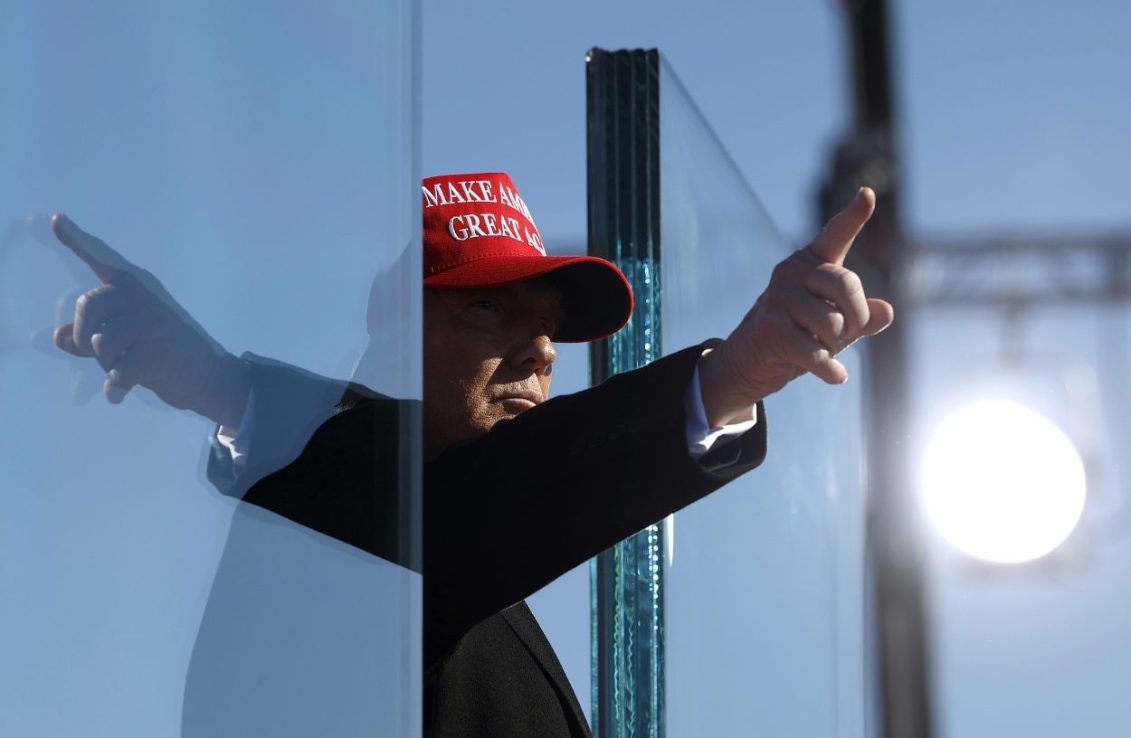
x: 597, y: 297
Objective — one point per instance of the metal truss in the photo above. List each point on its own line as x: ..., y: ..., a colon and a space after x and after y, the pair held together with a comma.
x: 1017, y: 273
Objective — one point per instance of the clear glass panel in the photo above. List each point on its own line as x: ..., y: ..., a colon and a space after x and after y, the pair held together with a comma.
x: 260, y: 160
x: 624, y: 227
x: 764, y: 601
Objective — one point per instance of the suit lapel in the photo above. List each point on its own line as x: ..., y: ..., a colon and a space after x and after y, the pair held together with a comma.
x: 523, y: 623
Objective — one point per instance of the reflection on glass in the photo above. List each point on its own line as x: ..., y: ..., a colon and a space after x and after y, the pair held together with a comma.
x: 254, y: 184
x: 764, y: 595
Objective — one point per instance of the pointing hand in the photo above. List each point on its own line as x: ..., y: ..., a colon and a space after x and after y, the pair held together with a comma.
x: 139, y: 335
x: 812, y: 309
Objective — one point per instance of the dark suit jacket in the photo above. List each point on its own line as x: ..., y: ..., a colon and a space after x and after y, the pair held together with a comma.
x: 502, y: 516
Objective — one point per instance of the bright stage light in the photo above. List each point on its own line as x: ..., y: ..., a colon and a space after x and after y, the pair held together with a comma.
x: 1002, y: 482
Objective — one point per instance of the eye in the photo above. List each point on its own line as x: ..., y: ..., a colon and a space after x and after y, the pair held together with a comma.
x: 486, y: 304
x: 550, y: 326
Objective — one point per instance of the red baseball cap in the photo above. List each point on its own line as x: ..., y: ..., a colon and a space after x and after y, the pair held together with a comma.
x: 478, y: 232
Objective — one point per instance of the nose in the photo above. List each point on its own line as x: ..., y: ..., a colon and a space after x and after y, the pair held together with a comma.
x: 535, y: 354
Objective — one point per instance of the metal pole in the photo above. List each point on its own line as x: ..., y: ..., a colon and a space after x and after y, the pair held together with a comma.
x: 867, y: 156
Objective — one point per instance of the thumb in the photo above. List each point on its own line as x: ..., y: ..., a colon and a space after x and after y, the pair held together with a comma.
x: 881, y: 315
x: 106, y: 263
x: 833, y: 242
x: 64, y: 338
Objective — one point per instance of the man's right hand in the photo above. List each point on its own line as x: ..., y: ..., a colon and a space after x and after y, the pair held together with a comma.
x: 140, y: 336
x: 812, y: 309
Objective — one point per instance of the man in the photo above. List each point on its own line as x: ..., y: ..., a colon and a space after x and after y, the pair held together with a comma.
x: 517, y: 488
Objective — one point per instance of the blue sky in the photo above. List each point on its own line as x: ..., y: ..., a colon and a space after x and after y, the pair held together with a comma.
x: 1011, y: 111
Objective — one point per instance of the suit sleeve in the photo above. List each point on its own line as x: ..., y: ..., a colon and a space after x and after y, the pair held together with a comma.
x: 290, y: 405
x: 539, y: 494
x: 332, y: 456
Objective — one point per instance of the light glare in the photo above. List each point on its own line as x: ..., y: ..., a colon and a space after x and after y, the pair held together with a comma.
x: 1002, y: 482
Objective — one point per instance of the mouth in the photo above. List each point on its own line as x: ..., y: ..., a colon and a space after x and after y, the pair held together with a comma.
x: 519, y: 401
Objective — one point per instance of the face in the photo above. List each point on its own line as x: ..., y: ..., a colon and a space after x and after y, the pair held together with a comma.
x: 488, y: 356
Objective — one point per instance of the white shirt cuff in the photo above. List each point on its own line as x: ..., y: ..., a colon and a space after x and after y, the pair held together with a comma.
x: 238, y: 440
x: 701, y: 437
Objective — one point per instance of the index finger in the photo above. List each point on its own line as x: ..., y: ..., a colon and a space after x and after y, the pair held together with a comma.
x: 833, y: 242
x: 105, y: 262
